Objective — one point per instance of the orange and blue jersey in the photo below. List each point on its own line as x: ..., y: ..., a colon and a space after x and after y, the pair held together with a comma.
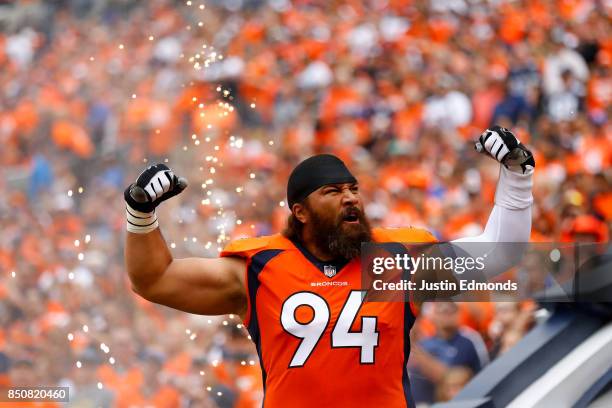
x: 318, y: 343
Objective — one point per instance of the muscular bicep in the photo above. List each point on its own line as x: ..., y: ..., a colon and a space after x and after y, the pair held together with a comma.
x: 208, y: 286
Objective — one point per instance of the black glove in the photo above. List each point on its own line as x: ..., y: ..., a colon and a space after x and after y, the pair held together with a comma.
x: 503, y: 146
x: 154, y: 185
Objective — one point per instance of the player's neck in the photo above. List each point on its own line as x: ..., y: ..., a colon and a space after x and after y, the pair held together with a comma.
x: 314, y: 249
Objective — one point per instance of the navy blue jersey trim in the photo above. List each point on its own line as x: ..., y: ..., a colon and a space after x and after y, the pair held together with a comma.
x: 409, y: 319
x: 256, y: 265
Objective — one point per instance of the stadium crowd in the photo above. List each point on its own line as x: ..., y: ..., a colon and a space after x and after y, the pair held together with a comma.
x: 232, y: 94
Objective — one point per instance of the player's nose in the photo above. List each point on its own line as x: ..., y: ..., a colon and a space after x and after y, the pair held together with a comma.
x: 349, y: 197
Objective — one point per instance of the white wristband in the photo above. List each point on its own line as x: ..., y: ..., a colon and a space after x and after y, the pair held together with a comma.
x: 140, y: 222
x: 514, y: 189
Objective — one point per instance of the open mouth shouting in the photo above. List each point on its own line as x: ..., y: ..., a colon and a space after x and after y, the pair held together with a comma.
x: 351, y: 216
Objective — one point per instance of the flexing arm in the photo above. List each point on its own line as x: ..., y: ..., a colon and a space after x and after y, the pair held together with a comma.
x: 208, y: 286
x: 194, y: 285
x: 510, y: 219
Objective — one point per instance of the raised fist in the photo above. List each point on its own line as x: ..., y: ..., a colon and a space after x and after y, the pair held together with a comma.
x: 501, y: 144
x: 155, y: 184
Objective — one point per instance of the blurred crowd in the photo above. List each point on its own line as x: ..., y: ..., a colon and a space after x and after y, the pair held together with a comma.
x: 232, y: 94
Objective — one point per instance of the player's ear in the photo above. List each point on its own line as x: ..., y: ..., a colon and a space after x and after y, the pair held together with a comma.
x: 300, y: 212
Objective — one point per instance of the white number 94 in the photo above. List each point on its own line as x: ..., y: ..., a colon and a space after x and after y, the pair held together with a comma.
x: 341, y: 336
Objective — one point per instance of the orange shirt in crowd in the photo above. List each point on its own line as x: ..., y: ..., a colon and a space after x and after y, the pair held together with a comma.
x: 514, y: 24
x: 406, y: 123
x: 602, y: 203
x: 599, y: 92
x: 36, y: 404
x: 71, y: 136
x: 179, y: 364
x: 164, y: 397
x: 131, y: 379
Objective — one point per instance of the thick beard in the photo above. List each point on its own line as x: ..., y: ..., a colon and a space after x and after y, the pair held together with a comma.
x: 338, y: 239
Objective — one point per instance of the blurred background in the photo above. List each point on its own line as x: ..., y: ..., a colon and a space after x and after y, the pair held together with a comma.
x: 232, y: 94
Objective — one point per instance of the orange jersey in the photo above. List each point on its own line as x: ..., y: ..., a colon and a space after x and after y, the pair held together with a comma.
x: 318, y: 343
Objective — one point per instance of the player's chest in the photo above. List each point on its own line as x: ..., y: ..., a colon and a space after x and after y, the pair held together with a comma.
x: 305, y: 315
x: 291, y: 298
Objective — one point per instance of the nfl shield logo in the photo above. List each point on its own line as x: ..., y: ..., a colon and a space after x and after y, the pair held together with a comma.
x: 329, y: 270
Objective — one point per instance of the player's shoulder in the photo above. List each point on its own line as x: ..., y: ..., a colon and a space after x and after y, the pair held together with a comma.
x: 404, y: 234
x: 248, y: 247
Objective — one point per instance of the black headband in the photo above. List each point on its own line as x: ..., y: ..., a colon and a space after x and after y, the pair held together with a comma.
x: 314, y: 172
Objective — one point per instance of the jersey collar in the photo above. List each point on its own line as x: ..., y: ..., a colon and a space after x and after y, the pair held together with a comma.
x: 325, y: 267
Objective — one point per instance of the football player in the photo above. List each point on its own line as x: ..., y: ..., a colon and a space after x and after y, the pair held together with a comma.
x: 299, y: 293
